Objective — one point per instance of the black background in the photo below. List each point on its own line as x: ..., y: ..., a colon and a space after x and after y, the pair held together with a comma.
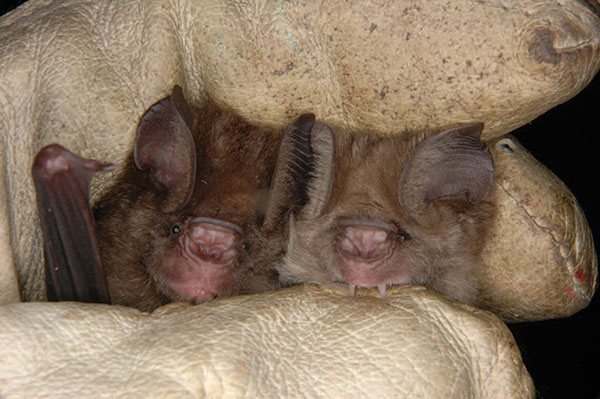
x: 563, y: 356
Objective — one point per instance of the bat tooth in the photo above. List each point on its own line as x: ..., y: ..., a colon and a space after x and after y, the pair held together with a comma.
x: 382, y: 289
x: 352, y: 288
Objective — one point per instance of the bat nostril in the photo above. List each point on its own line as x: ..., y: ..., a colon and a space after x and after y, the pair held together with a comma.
x: 209, y: 253
x: 216, y: 254
x: 348, y: 247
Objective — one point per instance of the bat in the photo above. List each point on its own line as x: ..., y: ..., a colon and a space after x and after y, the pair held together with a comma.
x: 197, y: 211
x: 399, y: 210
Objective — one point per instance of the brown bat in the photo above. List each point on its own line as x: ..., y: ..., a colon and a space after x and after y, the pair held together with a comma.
x: 190, y: 218
x: 394, y: 211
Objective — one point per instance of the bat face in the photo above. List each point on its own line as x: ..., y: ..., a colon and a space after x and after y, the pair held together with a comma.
x: 194, y: 215
x: 397, y: 214
x: 214, y: 246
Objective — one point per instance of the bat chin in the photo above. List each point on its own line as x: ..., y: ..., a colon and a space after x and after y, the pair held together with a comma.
x: 202, y: 282
x: 194, y: 294
x: 379, y: 278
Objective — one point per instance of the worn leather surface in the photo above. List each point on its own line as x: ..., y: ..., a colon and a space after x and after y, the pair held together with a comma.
x: 300, y: 342
x: 539, y: 256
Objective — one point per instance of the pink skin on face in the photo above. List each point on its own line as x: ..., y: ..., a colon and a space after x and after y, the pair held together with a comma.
x: 205, y: 261
x: 366, y: 250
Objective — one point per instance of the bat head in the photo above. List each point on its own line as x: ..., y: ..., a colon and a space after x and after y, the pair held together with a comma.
x: 397, y: 210
x: 220, y: 203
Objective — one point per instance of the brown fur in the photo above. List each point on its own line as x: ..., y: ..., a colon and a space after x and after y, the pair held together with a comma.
x: 445, y: 237
x: 234, y: 165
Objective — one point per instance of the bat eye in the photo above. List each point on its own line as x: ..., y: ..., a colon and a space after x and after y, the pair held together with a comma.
x: 176, y: 229
x: 403, y: 236
x: 246, y: 246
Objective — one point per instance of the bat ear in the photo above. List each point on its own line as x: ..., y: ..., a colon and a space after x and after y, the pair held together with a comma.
x: 451, y: 163
x: 164, y: 144
x: 321, y: 174
x: 304, y: 170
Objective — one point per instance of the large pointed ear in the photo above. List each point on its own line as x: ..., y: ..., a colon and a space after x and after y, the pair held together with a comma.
x: 164, y: 144
x: 303, y: 173
x: 451, y: 163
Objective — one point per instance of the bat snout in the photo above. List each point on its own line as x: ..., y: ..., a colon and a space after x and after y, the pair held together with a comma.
x: 203, y: 265
x: 368, y: 243
x: 366, y: 249
x: 213, y: 243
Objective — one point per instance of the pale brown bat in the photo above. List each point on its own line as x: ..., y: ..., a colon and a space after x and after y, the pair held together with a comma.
x: 190, y: 217
x: 395, y: 210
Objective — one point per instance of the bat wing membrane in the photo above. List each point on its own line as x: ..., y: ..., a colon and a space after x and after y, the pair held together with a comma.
x: 73, y: 265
